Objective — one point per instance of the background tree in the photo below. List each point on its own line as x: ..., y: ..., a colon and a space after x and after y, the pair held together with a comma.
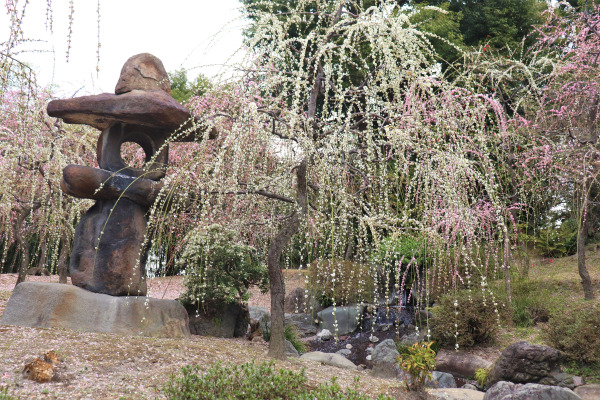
x: 183, y: 90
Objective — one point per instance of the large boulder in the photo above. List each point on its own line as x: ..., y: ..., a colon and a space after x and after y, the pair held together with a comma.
x: 384, y: 358
x: 441, y: 380
x: 531, y: 391
x: 218, y: 319
x: 53, y: 305
x: 522, y: 362
x: 336, y: 360
x: 460, y: 364
x: 588, y: 392
x: 341, y: 320
x: 304, y: 324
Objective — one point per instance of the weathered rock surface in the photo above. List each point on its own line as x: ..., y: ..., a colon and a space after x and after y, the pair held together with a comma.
x: 304, y: 324
x: 522, y: 362
x: 384, y: 358
x: 531, y: 391
x: 459, y: 363
x: 53, y: 305
x: 83, y: 182
x: 106, y: 249
x: 290, y: 350
x: 225, y: 320
x: 343, y: 320
x: 588, y: 392
x: 456, y: 394
x: 441, y: 380
x: 143, y: 72
x: 333, y: 359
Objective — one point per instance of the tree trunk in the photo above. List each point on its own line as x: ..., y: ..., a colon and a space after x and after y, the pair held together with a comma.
x: 22, y: 246
x: 62, y: 259
x: 586, y: 282
x: 277, y: 285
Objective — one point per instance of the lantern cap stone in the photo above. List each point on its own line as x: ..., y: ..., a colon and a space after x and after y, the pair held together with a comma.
x: 143, y: 72
x: 143, y: 98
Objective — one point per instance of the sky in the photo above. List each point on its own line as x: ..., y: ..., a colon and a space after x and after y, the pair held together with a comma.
x: 197, y: 35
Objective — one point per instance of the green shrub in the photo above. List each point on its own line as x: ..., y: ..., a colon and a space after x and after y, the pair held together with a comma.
x: 395, y: 251
x: 418, y: 361
x: 473, y: 320
x: 340, y: 281
x: 252, y: 381
x: 553, y: 241
x: 219, y: 268
x: 576, y: 332
x: 531, y: 303
x: 481, y: 376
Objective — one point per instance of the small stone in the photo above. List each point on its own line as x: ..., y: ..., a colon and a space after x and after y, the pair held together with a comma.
x: 344, y: 352
x: 349, y: 346
x: 469, y: 386
x: 369, y: 350
x: 374, y: 339
x: 325, y: 334
x: 369, y: 357
x: 578, y: 381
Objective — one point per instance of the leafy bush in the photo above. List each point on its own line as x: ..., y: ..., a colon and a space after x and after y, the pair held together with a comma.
x: 481, y: 376
x: 219, y: 268
x: 554, y: 241
x: 393, y: 256
x: 575, y: 332
x: 340, y: 281
x: 530, y: 303
x: 418, y: 361
x: 251, y: 381
x: 468, y: 317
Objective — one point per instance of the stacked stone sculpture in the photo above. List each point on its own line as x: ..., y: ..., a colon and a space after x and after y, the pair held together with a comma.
x: 109, y: 255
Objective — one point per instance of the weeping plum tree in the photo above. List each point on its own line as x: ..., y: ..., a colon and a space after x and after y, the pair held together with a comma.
x: 346, y: 131
x: 570, y: 113
x: 551, y: 95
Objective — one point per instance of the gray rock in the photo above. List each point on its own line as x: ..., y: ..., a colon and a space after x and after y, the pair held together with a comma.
x: 469, y: 386
x: 345, y: 320
x: 588, y: 392
x: 531, y: 391
x: 459, y: 364
x: 455, y: 394
x: 325, y: 335
x: 262, y: 315
x: 384, y: 358
x: 54, y: 305
x: 304, y: 324
x: 441, y: 380
x: 259, y: 313
x: 290, y: 350
x: 333, y: 359
x: 218, y: 319
x: 412, y: 338
x: 522, y: 362
x: 344, y: 352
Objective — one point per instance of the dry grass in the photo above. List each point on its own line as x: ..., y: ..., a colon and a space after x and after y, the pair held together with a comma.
x: 105, y: 366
